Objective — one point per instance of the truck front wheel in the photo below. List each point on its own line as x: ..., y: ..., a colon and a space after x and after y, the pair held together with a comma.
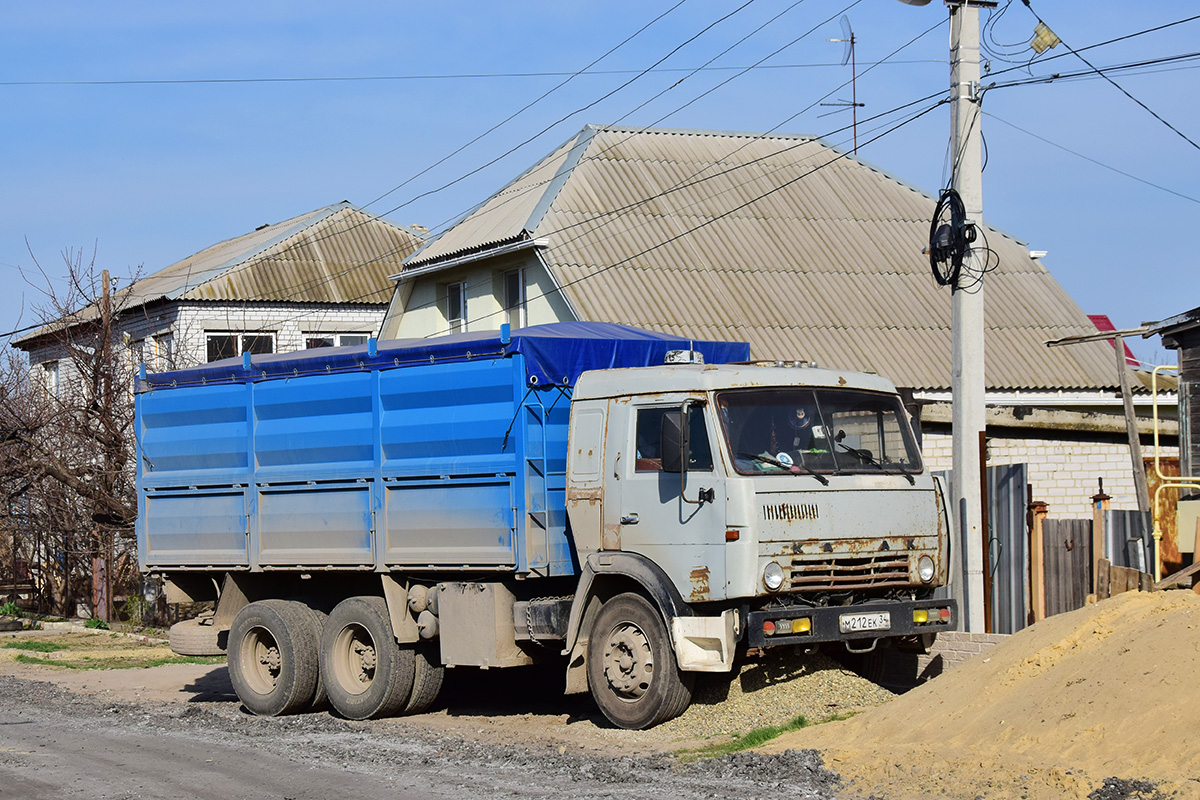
x: 273, y: 657
x: 631, y: 666
x: 365, y: 673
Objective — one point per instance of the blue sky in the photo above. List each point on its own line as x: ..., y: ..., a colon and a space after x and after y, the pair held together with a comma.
x: 146, y: 174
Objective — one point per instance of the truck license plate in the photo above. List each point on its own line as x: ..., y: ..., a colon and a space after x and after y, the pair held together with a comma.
x: 874, y: 621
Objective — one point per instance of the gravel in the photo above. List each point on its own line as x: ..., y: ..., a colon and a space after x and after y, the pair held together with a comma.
x: 774, y: 689
x: 446, y: 764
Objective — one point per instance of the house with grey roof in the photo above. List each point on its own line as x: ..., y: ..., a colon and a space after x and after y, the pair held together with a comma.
x: 318, y: 279
x: 795, y: 246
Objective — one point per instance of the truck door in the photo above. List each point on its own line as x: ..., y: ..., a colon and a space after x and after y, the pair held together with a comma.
x: 686, y: 539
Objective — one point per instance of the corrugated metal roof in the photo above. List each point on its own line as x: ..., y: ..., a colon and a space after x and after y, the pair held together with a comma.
x: 336, y: 254
x: 782, y: 241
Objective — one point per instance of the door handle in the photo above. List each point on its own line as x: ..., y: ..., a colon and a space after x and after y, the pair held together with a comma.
x: 629, y: 519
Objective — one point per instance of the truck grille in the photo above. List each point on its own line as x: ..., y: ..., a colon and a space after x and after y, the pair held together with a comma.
x: 851, y: 572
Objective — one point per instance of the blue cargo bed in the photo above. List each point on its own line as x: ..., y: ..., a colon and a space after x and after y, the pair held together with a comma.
x: 436, y: 454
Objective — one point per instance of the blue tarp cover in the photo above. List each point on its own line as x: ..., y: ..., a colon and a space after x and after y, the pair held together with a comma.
x: 555, y: 354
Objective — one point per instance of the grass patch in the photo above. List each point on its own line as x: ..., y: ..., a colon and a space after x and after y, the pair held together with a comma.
x: 755, y: 738
x: 24, y: 659
x: 101, y: 662
x: 35, y: 646
x: 185, y: 660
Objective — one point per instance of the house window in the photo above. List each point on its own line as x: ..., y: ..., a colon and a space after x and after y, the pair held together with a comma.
x: 514, y: 298
x: 164, y: 351
x: 231, y: 345
x: 456, y: 307
x: 314, y: 340
x: 51, y: 377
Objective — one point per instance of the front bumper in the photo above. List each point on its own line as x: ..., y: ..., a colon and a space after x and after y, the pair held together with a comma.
x: 826, y: 622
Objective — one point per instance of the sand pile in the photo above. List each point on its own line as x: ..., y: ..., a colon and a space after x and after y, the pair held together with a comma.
x: 1110, y: 690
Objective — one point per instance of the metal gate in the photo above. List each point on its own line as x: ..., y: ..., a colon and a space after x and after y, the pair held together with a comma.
x: 1067, y: 551
x: 1129, y: 539
x: 1008, y: 542
x: 1008, y: 546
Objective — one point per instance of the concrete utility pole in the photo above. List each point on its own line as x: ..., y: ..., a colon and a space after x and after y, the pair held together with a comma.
x: 967, y: 319
x: 966, y: 307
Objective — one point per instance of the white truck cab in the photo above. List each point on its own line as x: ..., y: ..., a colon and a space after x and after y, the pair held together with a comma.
x: 782, y: 504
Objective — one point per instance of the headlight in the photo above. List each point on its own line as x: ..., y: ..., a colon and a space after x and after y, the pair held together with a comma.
x: 925, y: 569
x: 773, y: 576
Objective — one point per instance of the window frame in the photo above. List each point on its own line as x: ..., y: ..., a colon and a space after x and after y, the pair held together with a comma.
x: 239, y: 342
x: 456, y: 324
x: 335, y: 339
x: 515, y: 309
x: 645, y: 465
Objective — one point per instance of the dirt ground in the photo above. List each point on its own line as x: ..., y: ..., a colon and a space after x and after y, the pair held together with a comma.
x: 1100, y: 704
x: 1109, y: 691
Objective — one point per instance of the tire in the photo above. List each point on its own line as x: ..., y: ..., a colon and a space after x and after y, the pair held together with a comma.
x: 273, y: 657
x: 428, y: 675
x: 195, y: 637
x: 365, y: 673
x: 631, y: 666
x: 320, y: 700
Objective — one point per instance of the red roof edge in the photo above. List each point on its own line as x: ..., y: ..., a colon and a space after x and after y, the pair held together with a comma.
x: 1104, y: 324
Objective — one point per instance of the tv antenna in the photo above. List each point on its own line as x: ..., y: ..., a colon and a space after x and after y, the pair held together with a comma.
x: 848, y: 57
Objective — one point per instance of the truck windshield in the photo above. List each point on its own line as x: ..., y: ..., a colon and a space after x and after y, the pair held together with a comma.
x: 781, y: 431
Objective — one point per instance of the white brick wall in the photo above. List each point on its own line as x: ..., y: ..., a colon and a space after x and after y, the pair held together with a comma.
x: 288, y: 322
x: 1063, y: 473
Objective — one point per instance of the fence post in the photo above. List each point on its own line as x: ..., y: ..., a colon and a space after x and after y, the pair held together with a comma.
x: 1100, y: 504
x: 1037, y: 566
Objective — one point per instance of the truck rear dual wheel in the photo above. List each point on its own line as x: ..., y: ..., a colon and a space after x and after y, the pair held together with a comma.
x: 273, y: 657
x: 631, y: 665
x: 365, y: 673
x: 428, y: 675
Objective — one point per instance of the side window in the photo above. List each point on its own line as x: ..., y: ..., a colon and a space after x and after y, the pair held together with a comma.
x: 456, y: 307
x: 648, y: 440
x: 514, y: 298
x: 222, y: 345
x: 229, y: 345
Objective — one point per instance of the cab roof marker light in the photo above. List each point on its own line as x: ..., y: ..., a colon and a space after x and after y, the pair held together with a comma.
x: 683, y: 357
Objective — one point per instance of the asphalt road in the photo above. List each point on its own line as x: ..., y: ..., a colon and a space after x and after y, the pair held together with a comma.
x: 57, y: 744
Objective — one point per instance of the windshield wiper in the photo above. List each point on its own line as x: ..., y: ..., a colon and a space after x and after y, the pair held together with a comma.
x: 801, y: 467
x: 864, y: 455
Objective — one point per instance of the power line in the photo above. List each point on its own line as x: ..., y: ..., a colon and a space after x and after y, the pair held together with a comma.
x: 511, y: 150
x: 1105, y: 43
x: 714, y: 219
x: 1096, y: 73
x: 640, y: 73
x: 674, y: 85
x: 579, y: 110
x: 448, y: 76
x: 612, y: 215
x: 528, y: 106
x: 688, y: 181
x: 1092, y: 160
x: 1120, y: 88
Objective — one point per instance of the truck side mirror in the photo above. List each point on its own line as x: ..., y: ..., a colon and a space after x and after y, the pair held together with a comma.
x: 673, y: 442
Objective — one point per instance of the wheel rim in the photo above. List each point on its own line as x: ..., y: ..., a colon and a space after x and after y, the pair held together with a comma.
x: 354, y: 659
x: 628, y: 662
x: 260, y: 660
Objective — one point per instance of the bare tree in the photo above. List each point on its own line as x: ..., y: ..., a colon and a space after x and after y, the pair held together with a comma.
x: 66, y: 464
